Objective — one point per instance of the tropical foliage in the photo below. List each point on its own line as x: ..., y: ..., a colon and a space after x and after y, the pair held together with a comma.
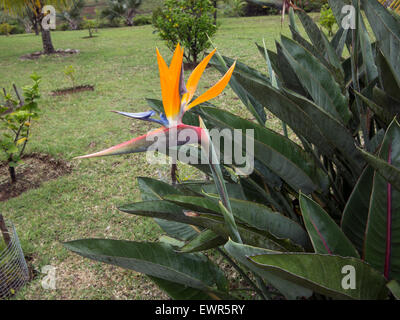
x: 324, y: 198
x: 121, y: 9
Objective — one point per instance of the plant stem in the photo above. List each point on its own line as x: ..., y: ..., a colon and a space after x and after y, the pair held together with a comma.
x: 173, y: 173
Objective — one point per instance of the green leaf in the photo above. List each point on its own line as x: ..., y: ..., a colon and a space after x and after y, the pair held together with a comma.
x: 205, y: 240
x: 251, y: 104
x: 240, y: 252
x: 253, y: 214
x: 169, y: 211
x: 394, y: 288
x: 177, y: 230
x: 323, y: 274
x: 355, y: 215
x: 389, y: 80
x: 317, y: 79
x: 278, y: 153
x: 326, y: 236
x: 154, y: 259
x: 152, y: 189
x: 383, y: 227
x: 387, y: 30
x: 209, y: 150
x: 323, y: 46
x: 178, y: 291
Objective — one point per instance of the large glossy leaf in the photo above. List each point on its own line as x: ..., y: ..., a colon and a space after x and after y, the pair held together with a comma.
x: 154, y: 259
x: 382, y: 240
x: 336, y: 134
x: 234, y: 189
x: 317, y: 79
x: 323, y: 46
x: 394, y: 288
x: 323, y: 274
x: 387, y: 31
x: 278, y: 153
x: 253, y: 214
x: 178, y: 291
x: 205, y: 240
x: 390, y: 81
x: 210, y: 152
x: 325, y: 234
x: 240, y: 252
x: 252, y: 105
x: 355, y: 215
x: 172, y: 212
x: 152, y: 189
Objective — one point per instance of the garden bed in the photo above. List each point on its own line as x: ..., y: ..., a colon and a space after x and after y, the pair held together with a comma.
x: 36, y: 169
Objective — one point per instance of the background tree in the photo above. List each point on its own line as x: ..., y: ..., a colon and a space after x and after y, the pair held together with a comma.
x: 19, y: 7
x: 125, y: 9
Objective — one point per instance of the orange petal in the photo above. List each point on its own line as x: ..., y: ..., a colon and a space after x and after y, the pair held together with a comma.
x: 194, y: 78
x: 175, y: 70
x: 165, y: 83
x: 215, y: 90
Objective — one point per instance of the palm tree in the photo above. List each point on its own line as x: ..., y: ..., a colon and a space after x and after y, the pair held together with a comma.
x: 19, y: 7
x: 125, y: 9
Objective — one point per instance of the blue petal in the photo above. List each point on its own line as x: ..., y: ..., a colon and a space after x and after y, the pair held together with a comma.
x: 146, y: 116
x: 139, y: 115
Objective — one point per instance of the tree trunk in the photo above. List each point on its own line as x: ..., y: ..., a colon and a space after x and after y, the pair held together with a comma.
x: 215, y: 12
x: 12, y: 174
x: 47, y: 44
x: 36, y: 27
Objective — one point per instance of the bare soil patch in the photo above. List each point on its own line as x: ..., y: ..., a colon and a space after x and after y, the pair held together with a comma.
x: 58, y: 52
x: 36, y: 169
x: 65, y: 91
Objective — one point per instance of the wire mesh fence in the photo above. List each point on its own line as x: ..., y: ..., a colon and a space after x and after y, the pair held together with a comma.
x: 14, y: 272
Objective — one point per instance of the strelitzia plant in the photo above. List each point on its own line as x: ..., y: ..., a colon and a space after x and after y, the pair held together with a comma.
x: 177, y: 98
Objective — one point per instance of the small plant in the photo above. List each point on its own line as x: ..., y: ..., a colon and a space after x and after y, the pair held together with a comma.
x: 16, y: 115
x: 6, y: 29
x: 69, y: 71
x: 141, y: 20
x: 187, y: 22
x: 327, y: 19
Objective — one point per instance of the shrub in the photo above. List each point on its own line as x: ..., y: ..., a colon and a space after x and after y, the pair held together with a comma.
x: 6, y: 29
x: 141, y: 20
x: 327, y: 19
x: 187, y: 22
x: 16, y: 116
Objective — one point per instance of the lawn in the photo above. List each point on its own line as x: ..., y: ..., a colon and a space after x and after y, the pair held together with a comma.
x: 121, y: 63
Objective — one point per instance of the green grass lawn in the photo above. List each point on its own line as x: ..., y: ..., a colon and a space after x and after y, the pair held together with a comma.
x: 121, y: 63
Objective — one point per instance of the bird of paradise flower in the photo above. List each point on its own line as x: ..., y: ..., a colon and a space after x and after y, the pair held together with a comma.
x: 177, y: 98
